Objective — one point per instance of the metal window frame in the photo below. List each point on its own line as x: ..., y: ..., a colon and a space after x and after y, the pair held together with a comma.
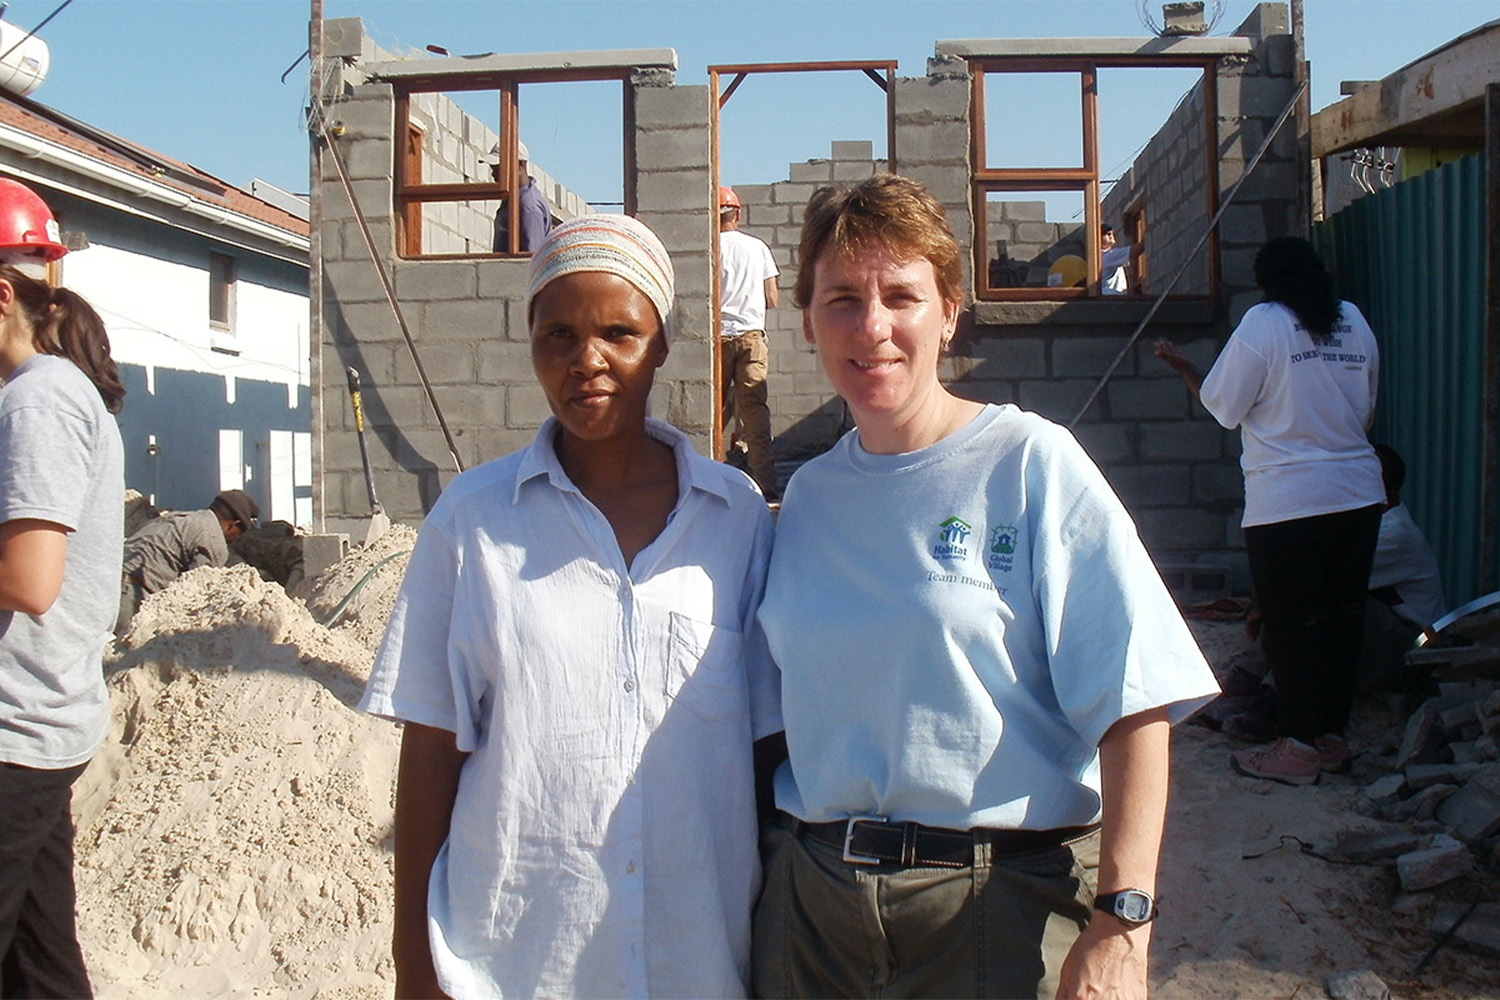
x: 985, y: 179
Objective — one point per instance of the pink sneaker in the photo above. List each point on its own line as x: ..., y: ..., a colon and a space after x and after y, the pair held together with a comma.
x: 1333, y: 752
x: 1288, y: 761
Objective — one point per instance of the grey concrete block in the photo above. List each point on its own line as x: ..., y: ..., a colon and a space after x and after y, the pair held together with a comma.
x: 1368, y: 846
x: 1058, y: 400
x: 1148, y: 399
x: 446, y: 364
x: 1445, y: 860
x: 1180, y: 440
x: 1105, y: 442
x: 1477, y: 751
x: 321, y: 551
x: 671, y: 149
x: 525, y: 406
x: 1455, y: 716
x: 681, y: 232
x: 921, y: 100
x: 1022, y: 211
x: 787, y: 193
x: 353, y: 281
x: 502, y: 279
x: 1473, y: 812
x: 364, y: 322
x: 462, y: 318
x: 1361, y: 985
x: 853, y: 149
x: 1422, y: 775
x: 1422, y: 737
x: 1180, y: 529
x: 368, y: 113
x: 853, y: 172
x: 811, y: 171
x: 942, y: 142
x: 675, y: 191
x: 1089, y: 357
x: 445, y: 280
x: 369, y: 159
x: 754, y: 194
x: 1151, y: 485
x: 948, y: 185
x: 671, y: 106
x: 396, y: 406
x: 1217, y: 483
x: 768, y: 216
x: 1387, y: 789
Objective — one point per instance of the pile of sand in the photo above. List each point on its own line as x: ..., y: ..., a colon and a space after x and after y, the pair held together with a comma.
x: 234, y: 831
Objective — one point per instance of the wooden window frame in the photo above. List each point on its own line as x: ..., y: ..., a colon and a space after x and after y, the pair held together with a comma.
x: 985, y: 179
x: 221, y: 264
x: 411, y: 193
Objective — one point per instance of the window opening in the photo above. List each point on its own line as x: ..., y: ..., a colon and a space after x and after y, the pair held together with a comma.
x: 1124, y: 129
x: 462, y: 177
x: 755, y: 159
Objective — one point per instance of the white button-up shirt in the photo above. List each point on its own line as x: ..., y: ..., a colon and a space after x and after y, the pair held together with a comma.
x: 603, y: 841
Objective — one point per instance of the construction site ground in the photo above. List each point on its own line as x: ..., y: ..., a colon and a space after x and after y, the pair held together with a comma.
x: 234, y: 833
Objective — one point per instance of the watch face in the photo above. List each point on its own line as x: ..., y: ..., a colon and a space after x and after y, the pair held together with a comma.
x: 1134, y: 906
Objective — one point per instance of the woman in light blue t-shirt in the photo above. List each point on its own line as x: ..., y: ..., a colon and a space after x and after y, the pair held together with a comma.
x: 955, y: 602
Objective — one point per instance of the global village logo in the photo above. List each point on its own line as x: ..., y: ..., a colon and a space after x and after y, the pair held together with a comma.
x: 952, y: 534
x: 1002, y: 547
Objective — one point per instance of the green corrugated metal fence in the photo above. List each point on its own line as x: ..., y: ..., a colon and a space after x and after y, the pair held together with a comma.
x: 1412, y: 258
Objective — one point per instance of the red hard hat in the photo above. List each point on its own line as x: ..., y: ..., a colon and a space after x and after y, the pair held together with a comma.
x: 727, y: 198
x: 26, y: 223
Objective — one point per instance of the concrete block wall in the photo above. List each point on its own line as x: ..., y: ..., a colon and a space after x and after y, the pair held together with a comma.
x: 1170, y: 179
x: 466, y: 316
x: 1024, y: 243
x: 455, y: 150
x: 1174, y: 467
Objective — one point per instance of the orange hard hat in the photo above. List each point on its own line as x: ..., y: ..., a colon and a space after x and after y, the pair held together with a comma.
x: 26, y: 223
x: 727, y: 198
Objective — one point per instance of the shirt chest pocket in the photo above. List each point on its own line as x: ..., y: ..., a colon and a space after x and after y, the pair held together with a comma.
x: 705, y: 669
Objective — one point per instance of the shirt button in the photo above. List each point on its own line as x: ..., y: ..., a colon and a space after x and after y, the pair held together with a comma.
x: 630, y: 685
x: 630, y: 868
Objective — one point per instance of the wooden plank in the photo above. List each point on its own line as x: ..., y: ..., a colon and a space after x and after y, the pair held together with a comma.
x: 1444, y: 82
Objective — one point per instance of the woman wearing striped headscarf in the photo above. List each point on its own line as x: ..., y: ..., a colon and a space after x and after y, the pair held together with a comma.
x: 574, y: 654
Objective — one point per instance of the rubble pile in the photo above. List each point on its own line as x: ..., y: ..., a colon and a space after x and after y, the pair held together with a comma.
x: 234, y: 830
x: 1440, y: 786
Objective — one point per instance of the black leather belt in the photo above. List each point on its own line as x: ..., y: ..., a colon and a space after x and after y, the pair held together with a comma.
x: 875, y: 841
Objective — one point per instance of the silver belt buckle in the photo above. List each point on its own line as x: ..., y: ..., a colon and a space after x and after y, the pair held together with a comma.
x: 849, y: 855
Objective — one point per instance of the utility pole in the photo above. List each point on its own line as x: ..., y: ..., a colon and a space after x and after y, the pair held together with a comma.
x: 315, y: 260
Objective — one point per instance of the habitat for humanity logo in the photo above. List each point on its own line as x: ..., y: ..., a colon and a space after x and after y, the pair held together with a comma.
x: 1002, y: 547
x: 952, y: 534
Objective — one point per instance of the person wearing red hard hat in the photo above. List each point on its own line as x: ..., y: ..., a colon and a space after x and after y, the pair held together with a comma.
x: 62, y: 482
x: 747, y: 287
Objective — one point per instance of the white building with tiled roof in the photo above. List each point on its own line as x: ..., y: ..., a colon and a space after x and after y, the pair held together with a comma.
x: 204, y: 289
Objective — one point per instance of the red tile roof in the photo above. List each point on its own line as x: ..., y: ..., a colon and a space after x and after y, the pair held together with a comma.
x: 44, y: 123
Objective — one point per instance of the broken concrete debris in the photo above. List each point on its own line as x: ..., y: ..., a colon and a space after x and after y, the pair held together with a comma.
x: 1444, y: 860
x: 1361, y: 985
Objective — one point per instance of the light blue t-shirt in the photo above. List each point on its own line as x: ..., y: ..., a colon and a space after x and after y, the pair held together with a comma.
x: 60, y: 461
x: 957, y: 628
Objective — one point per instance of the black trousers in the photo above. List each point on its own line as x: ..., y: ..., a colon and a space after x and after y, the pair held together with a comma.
x: 1311, y: 576
x: 39, y: 953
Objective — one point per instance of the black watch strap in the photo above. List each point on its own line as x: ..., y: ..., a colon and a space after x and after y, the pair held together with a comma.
x: 1133, y: 906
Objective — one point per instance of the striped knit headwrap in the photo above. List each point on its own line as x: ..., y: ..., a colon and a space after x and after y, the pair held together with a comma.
x: 613, y: 244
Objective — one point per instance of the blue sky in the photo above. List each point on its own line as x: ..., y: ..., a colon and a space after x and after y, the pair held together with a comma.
x: 199, y: 80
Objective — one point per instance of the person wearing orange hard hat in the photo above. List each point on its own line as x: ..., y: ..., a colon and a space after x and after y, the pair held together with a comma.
x: 62, y: 482
x: 747, y: 288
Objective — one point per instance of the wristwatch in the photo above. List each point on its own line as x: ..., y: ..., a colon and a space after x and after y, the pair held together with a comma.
x: 1133, y: 906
